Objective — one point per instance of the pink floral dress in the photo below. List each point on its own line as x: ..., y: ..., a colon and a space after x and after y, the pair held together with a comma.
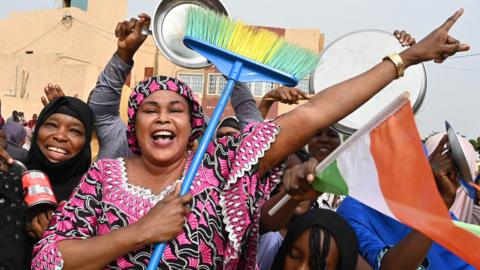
x: 221, y: 230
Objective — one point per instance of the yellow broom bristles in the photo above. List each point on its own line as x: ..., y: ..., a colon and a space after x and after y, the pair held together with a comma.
x: 259, y: 45
x: 252, y: 43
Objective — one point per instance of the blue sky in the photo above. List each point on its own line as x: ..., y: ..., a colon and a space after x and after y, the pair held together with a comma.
x: 453, y: 87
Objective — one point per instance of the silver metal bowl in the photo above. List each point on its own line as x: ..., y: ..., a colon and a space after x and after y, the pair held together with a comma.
x: 353, y: 54
x: 168, y: 26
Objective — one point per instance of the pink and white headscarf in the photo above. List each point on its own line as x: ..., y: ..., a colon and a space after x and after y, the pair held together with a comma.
x: 151, y: 85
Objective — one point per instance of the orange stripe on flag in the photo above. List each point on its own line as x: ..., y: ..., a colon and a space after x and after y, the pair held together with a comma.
x: 408, y: 185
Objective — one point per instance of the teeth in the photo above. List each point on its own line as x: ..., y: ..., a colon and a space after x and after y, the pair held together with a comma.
x: 56, y: 149
x: 163, y: 133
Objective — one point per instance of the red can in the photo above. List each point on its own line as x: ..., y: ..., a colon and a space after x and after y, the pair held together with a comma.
x: 37, y: 189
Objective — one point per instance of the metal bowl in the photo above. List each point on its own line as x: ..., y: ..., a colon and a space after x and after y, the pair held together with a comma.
x: 168, y: 30
x: 353, y: 54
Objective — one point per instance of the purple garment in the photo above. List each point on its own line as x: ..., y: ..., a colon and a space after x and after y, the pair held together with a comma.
x: 268, y: 246
x: 15, y: 132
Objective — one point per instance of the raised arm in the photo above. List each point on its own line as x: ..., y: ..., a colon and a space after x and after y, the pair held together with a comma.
x: 105, y: 103
x: 336, y: 102
x: 244, y: 105
x: 283, y: 94
x: 105, y: 97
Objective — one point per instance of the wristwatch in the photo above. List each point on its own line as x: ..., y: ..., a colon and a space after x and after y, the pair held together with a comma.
x: 398, y: 62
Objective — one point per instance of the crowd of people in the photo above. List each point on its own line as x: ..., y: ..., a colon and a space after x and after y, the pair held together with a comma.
x: 17, y: 133
x: 113, y: 210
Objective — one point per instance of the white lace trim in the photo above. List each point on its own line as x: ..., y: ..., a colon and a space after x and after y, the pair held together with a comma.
x: 233, y: 179
x: 143, y: 192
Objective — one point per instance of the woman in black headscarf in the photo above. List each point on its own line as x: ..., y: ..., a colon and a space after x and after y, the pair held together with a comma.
x: 320, y: 239
x: 61, y: 144
x: 61, y: 149
x: 228, y: 127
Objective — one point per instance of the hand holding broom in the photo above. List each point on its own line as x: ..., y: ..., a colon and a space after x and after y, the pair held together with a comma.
x: 249, y: 54
x: 241, y: 53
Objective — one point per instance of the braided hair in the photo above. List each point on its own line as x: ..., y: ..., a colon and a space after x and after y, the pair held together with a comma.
x: 331, y: 226
x: 318, y: 256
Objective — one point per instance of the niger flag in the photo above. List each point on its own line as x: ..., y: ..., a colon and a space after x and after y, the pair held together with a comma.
x: 383, y: 165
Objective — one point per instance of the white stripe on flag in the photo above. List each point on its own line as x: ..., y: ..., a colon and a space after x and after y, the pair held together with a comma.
x: 358, y: 169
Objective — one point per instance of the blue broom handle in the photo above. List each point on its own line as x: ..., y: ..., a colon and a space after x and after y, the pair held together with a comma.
x: 202, y: 148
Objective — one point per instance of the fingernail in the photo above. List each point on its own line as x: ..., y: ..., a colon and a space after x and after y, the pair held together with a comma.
x: 401, y: 40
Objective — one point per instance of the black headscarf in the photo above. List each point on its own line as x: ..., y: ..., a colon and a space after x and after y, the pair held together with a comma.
x: 230, y: 122
x: 330, y: 221
x: 64, y: 176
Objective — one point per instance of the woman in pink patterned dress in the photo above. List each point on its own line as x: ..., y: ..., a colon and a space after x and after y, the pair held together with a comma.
x: 123, y: 206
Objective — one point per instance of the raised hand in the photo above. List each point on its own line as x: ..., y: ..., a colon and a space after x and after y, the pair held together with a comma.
x: 404, y: 38
x: 286, y: 95
x: 283, y: 94
x: 52, y: 93
x: 437, y: 46
x: 130, y: 37
x: 444, y: 172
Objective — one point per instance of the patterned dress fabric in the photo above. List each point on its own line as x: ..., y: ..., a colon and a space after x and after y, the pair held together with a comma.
x: 221, y: 230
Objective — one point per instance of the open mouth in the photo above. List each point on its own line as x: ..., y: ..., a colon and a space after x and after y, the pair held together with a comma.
x: 57, y: 150
x: 163, y: 136
x: 324, y: 150
x: 55, y: 153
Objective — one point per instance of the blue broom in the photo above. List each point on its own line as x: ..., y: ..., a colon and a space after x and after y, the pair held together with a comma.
x: 242, y: 53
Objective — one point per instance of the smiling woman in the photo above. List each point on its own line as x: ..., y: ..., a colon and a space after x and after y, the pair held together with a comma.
x: 123, y: 206
x: 61, y: 149
x: 61, y: 144
x: 61, y: 137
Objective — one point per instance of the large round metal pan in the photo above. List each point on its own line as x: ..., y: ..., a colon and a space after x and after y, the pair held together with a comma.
x: 355, y: 53
x: 168, y: 26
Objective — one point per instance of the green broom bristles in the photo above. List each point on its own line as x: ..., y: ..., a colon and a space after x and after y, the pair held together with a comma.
x: 257, y: 44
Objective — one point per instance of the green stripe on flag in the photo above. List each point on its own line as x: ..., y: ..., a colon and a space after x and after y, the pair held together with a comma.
x: 475, y: 229
x: 330, y: 181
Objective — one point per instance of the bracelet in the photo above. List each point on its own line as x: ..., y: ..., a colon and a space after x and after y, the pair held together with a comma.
x: 396, y: 59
